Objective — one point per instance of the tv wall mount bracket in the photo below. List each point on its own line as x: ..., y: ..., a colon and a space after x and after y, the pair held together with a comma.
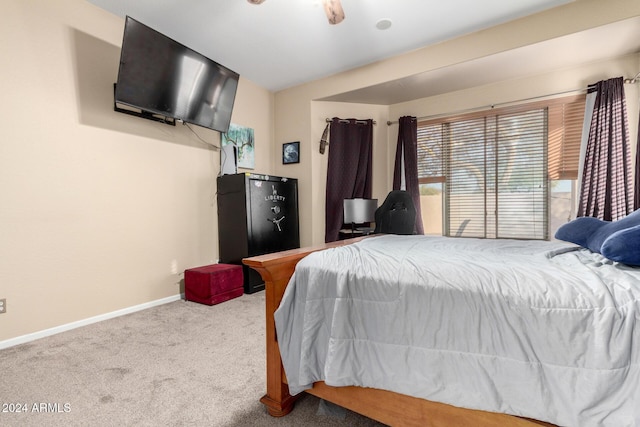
x: 141, y: 113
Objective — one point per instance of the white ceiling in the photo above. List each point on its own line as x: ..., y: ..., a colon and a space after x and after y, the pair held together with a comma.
x: 283, y: 43
x: 608, y: 41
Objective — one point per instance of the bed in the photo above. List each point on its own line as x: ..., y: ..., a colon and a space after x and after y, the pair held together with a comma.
x: 415, y: 330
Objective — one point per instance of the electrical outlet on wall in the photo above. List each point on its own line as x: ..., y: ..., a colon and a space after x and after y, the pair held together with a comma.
x: 3, y: 305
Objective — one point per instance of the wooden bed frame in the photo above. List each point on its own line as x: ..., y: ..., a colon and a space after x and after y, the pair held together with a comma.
x: 384, y: 406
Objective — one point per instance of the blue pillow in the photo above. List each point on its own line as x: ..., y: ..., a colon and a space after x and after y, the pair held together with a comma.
x: 599, y: 236
x: 591, y: 232
x: 580, y: 230
x: 623, y: 246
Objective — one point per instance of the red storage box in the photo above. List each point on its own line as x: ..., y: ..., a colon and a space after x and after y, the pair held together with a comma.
x: 213, y: 284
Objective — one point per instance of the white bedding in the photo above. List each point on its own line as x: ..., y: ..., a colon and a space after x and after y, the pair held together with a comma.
x: 544, y: 330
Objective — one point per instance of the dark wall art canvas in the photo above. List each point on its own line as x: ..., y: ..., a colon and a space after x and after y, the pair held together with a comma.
x: 291, y: 152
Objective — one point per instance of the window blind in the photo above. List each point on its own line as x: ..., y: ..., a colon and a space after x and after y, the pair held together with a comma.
x: 565, y: 132
x: 495, y: 165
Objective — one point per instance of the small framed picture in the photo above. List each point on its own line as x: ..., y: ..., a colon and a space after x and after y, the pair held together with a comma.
x: 290, y: 152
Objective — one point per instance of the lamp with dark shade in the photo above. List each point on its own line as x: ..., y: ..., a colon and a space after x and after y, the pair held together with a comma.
x: 359, y: 211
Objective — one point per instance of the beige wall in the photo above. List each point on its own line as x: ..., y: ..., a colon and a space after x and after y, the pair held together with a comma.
x: 99, y: 210
x: 528, y: 87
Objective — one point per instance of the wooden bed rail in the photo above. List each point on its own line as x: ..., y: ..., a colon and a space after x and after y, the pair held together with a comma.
x: 387, y: 407
x: 276, y: 270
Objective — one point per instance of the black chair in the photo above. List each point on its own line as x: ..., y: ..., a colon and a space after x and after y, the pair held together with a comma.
x: 397, y: 215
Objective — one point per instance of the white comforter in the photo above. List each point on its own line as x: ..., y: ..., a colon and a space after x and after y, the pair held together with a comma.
x: 537, y: 329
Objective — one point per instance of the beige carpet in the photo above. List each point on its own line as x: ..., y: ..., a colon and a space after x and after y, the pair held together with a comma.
x: 177, y: 364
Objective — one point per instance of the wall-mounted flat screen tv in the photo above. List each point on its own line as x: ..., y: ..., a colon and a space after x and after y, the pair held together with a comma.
x: 161, y: 76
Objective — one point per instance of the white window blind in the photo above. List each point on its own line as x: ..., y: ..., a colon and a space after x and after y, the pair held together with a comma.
x: 495, y: 167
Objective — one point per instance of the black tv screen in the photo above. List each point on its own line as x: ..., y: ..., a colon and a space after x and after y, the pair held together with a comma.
x: 161, y: 76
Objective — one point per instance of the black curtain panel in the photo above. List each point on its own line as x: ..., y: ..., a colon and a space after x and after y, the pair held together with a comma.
x: 407, y: 163
x: 607, y: 191
x: 349, y: 169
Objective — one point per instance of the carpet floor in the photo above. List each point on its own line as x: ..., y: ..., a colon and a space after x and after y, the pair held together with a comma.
x: 176, y: 364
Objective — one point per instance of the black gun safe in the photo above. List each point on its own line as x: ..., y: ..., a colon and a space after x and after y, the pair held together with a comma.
x: 257, y: 214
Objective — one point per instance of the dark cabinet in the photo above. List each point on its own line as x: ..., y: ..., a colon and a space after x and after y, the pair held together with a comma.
x: 257, y: 214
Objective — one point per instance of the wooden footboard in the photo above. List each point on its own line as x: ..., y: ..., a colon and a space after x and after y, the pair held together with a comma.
x: 384, y: 406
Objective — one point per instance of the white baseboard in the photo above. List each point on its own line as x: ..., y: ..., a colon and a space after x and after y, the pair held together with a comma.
x: 69, y: 326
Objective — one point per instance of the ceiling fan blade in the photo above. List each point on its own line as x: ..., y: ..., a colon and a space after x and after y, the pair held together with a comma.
x: 333, y: 9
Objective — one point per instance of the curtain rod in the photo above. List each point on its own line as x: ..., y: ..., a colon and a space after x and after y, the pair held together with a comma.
x: 328, y: 120
x: 491, y: 106
x: 635, y: 79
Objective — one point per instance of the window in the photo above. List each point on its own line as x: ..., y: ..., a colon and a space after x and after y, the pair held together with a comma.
x: 493, y: 174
